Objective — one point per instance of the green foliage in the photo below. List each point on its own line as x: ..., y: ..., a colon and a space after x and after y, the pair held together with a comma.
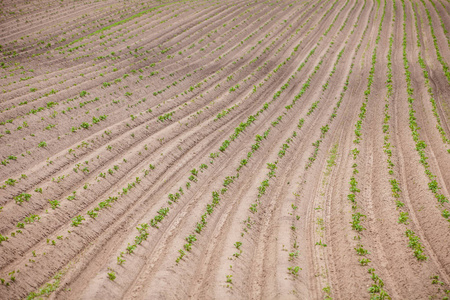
x: 112, y: 276
x: 22, y: 197
x: 54, y: 203
x: 77, y: 220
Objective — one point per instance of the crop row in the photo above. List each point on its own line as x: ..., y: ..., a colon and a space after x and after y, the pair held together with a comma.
x: 425, y: 73
x: 414, y: 241
x: 173, y: 194
x: 377, y: 290
x: 232, y: 138
x: 420, y: 144
x: 436, y: 45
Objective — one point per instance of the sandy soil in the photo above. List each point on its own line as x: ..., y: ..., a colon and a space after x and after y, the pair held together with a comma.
x: 207, y: 150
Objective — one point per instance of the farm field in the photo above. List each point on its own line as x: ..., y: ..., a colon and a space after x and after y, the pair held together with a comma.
x: 210, y: 149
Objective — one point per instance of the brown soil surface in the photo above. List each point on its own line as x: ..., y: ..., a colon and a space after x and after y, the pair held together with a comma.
x: 211, y: 149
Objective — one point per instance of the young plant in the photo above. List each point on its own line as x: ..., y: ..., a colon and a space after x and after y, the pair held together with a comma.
x: 77, y: 220
x: 294, y: 270
x: 54, y: 203
x: 112, y: 276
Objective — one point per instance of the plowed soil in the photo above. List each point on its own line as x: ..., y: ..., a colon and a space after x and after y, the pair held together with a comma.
x: 225, y: 149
